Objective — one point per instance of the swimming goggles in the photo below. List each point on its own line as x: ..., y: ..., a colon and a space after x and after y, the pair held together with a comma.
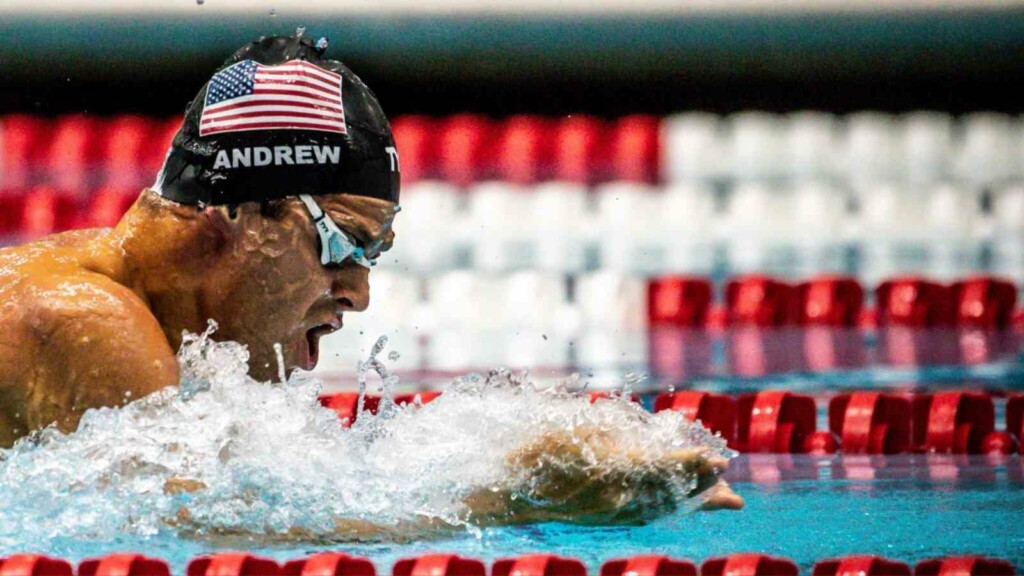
x: 336, y: 245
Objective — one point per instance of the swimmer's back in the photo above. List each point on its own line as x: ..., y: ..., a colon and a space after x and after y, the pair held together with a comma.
x: 71, y: 337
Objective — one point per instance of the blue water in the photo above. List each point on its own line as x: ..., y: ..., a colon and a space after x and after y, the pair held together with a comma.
x: 915, y: 507
x: 806, y: 508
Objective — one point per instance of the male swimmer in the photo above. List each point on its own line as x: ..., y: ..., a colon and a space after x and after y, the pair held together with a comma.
x: 276, y: 198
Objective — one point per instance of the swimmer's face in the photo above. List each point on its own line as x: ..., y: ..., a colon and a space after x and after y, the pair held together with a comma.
x: 283, y: 294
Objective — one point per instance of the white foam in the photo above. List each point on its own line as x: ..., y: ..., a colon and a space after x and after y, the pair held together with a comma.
x: 270, y: 460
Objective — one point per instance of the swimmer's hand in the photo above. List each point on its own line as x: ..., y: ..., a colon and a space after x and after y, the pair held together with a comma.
x: 585, y: 478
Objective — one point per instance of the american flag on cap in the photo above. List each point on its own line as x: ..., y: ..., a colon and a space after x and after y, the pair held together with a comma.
x: 296, y: 95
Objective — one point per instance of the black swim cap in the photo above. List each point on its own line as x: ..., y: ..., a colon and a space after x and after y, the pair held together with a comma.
x: 277, y: 120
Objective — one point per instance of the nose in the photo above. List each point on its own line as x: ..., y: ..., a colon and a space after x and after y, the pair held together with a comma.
x: 351, y: 288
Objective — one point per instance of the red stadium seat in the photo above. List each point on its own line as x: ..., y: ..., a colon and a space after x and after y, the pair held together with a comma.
x: 22, y: 150
x: 438, y: 565
x: 953, y: 422
x: 108, y: 204
x: 538, y: 565
x: 125, y: 144
x: 346, y: 405
x: 417, y: 147
x: 829, y: 301
x: 748, y: 565
x: 913, y: 302
x: 716, y: 412
x: 580, y: 149
x: 124, y: 565
x: 72, y: 158
x: 33, y: 565
x: 524, y: 150
x: 232, y: 564
x: 635, y: 148
x: 678, y: 301
x: 465, y: 148
x: 964, y: 566
x: 648, y: 565
x: 46, y: 210
x: 759, y: 301
x: 871, y: 422
x: 160, y: 142
x: 774, y: 421
x: 860, y: 566
x: 329, y: 564
x: 984, y: 302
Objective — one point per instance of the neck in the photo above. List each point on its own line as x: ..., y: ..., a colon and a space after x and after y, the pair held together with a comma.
x: 165, y: 261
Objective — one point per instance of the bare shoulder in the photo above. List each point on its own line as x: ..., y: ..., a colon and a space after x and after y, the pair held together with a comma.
x: 96, y: 343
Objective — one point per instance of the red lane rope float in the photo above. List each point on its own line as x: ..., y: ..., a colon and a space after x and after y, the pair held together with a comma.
x: 715, y: 411
x: 34, y: 565
x: 914, y: 302
x: 860, y: 566
x: 964, y: 566
x: 774, y: 422
x: 538, y: 565
x: 678, y: 301
x: 748, y: 565
x: 439, y: 565
x: 757, y: 300
x: 953, y: 422
x: 984, y: 302
x: 829, y: 301
x: 124, y: 565
x: 648, y: 565
x: 871, y: 422
x: 524, y: 150
x: 232, y: 564
x: 329, y: 564
x: 634, y: 148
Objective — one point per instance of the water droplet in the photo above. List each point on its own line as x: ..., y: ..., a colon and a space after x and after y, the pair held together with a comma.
x: 272, y: 12
x: 200, y: 2
x: 394, y: 355
x: 300, y: 31
x: 322, y: 43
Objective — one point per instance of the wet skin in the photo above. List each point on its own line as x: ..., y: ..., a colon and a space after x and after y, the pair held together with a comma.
x: 92, y: 318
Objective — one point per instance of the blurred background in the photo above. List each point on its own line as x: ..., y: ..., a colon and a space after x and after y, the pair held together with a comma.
x: 608, y: 187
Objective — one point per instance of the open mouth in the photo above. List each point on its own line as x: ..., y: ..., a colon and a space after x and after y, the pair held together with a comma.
x: 313, y: 336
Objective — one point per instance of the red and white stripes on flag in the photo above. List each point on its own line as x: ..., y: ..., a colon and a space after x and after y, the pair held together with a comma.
x: 296, y: 95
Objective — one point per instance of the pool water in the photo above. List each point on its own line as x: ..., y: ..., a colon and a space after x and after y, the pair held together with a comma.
x: 806, y: 508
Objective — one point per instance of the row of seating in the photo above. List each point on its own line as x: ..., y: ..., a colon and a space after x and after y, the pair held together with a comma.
x: 341, y: 564
x: 924, y: 147
x: 781, y: 422
x: 636, y: 228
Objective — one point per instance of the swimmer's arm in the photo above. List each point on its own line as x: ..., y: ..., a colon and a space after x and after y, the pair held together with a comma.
x: 98, y: 346
x: 581, y: 478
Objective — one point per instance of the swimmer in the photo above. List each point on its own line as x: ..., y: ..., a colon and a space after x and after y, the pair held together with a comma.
x: 274, y: 201
x: 277, y: 196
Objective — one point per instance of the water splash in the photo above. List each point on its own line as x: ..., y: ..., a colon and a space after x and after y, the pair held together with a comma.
x: 223, y: 454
